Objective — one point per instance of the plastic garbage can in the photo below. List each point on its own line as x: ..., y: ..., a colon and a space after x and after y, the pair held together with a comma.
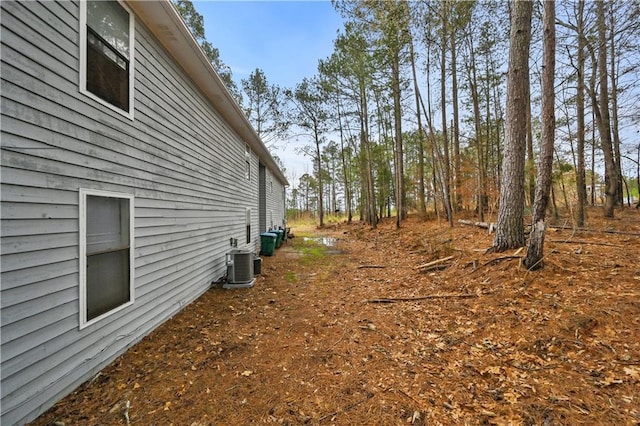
x: 268, y: 243
x: 280, y: 237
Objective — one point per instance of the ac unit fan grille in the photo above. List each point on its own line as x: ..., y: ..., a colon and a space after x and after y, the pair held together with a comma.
x: 242, y: 270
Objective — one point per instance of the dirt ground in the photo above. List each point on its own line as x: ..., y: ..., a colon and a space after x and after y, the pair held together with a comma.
x: 357, y: 332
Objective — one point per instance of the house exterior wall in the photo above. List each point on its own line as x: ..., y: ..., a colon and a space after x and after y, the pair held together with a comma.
x: 275, y: 202
x: 262, y: 199
x: 182, y: 163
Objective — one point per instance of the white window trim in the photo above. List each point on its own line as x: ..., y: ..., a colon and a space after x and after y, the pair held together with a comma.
x: 247, y: 159
x: 83, y: 61
x: 83, y: 254
x: 247, y: 220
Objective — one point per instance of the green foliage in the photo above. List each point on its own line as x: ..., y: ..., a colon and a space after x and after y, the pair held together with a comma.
x: 265, y: 108
x: 311, y: 250
x: 290, y: 277
x: 195, y: 23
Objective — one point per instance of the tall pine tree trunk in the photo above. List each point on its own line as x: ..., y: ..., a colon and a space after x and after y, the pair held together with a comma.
x: 510, y: 224
x: 615, y: 125
x: 371, y: 214
x: 320, y: 187
x: 473, y: 85
x: 533, y: 259
x: 456, y: 125
x: 446, y: 163
x: 422, y: 208
x: 602, y: 116
x: 345, y: 169
x: 531, y: 162
x: 580, y: 110
x: 399, y: 156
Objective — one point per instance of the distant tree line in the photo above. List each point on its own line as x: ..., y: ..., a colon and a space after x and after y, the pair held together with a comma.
x: 412, y: 111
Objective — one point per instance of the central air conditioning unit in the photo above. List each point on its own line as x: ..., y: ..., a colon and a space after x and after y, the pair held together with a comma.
x: 239, y: 269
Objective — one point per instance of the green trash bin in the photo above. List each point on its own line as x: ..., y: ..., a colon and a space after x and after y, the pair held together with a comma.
x: 268, y: 243
x: 280, y: 234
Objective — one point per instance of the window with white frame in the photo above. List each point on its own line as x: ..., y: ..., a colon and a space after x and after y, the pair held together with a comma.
x: 247, y: 160
x: 248, y: 224
x: 106, y: 54
x: 106, y: 254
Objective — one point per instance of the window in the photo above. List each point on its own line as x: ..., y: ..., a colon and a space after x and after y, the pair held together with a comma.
x: 247, y: 159
x: 106, y: 54
x: 106, y: 254
x: 248, y: 224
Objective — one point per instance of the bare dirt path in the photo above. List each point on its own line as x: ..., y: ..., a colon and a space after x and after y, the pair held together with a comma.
x: 365, y: 333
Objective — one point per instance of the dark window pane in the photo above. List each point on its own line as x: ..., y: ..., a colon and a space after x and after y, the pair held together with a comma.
x: 107, y: 282
x: 107, y: 73
x: 107, y: 251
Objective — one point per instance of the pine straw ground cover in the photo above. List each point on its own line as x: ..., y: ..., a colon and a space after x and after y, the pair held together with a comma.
x: 359, y: 333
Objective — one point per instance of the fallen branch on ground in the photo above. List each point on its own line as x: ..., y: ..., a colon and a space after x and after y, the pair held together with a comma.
x: 606, y: 231
x: 435, y: 268
x: 500, y: 259
x: 427, y: 297
x: 372, y: 266
x: 595, y: 243
x: 435, y: 262
x: 485, y: 225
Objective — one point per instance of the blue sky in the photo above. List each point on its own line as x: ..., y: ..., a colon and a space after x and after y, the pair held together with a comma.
x: 283, y: 38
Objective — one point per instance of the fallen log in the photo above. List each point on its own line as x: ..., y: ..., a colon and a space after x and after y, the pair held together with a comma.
x: 485, y: 225
x: 435, y: 262
x: 427, y: 297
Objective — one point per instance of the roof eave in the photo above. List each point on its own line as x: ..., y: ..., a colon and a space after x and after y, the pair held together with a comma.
x: 166, y: 24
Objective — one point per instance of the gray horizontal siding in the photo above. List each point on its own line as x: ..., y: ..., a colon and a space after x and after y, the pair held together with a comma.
x: 55, y: 36
x: 52, y: 372
x: 19, y: 281
x: 183, y: 164
x: 35, y: 290
x: 274, y: 199
x: 27, y: 260
x: 40, y: 195
x: 12, y: 228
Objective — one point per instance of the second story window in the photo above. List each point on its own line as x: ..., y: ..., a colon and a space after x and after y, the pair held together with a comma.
x: 247, y: 160
x: 107, y: 54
